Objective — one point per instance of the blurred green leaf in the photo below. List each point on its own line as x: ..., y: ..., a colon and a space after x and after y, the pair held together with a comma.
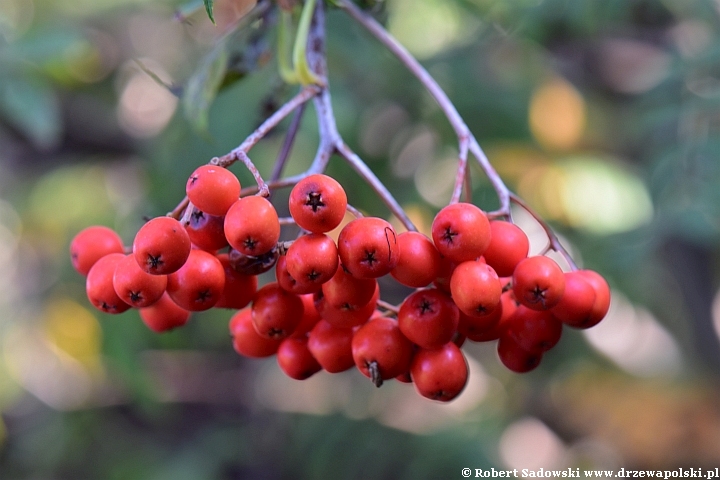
x: 30, y: 104
x: 209, y: 9
x: 203, y: 85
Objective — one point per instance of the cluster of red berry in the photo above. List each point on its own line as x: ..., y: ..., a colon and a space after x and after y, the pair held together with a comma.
x: 473, y: 280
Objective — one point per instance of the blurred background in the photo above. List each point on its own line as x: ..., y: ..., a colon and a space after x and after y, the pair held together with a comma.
x: 604, y: 116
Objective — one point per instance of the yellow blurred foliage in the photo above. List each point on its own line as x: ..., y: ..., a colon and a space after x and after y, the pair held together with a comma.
x: 73, y: 329
x: 557, y: 115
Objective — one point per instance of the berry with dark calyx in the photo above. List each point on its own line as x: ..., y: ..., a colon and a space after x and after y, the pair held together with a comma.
x: 490, y: 327
x: 164, y: 315
x: 91, y: 244
x: 275, y: 312
x: 289, y: 283
x: 206, y: 231
x: 295, y: 359
x: 199, y: 284
x: 252, y: 226
x: 475, y: 288
x: 343, y: 291
x: 135, y: 286
x: 461, y: 232
x: 347, y: 316
x: 246, y: 341
x: 239, y: 288
x: 312, y: 258
x: 534, y: 330
x: 516, y: 358
x: 99, y: 285
x: 380, y: 350
x: 439, y: 374
x: 419, y: 262
x: 317, y: 203
x: 538, y: 282
x: 250, y: 265
x: 368, y: 247
x: 602, y: 298
x: 508, y: 246
x: 213, y: 189
x: 161, y: 246
x: 429, y: 318
x: 331, y: 347
x: 576, y: 304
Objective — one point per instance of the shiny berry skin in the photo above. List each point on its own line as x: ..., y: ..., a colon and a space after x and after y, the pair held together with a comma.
x: 538, y: 282
x: 419, y: 262
x: 161, y: 246
x: 381, y: 342
x: 576, y: 304
x: 164, y: 315
x: 368, y: 247
x: 288, y: 283
x: 508, y: 246
x: 317, y: 203
x: 275, y: 312
x: 461, y: 232
x: 246, y: 341
x: 428, y: 318
x: 439, y: 374
x: 136, y: 287
x: 347, y: 316
x: 312, y: 259
x: 212, y: 189
x: 295, y: 359
x: 331, y: 347
x: 475, y: 288
x: 602, y: 298
x: 514, y: 357
x: 199, y: 284
x: 347, y: 292
x: 239, y: 288
x: 534, y: 330
x: 206, y: 231
x: 309, y: 318
x: 91, y: 244
x: 99, y: 285
x: 252, y: 226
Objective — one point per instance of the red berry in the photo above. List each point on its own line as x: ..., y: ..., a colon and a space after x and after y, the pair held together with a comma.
x: 164, y: 315
x: 475, y: 288
x: 538, y: 282
x: 206, y: 231
x: 213, y: 189
x: 288, y: 283
x: 439, y: 374
x: 275, y: 312
x: 331, y: 347
x: 347, y: 316
x: 508, y: 246
x: 91, y: 244
x: 534, y: 330
x: 312, y: 259
x: 135, y: 286
x: 429, y: 318
x: 309, y: 318
x: 99, y: 285
x: 514, y: 357
x: 461, y: 232
x: 295, y: 359
x: 379, y: 344
x: 419, y: 261
x: 576, y: 305
x: 344, y: 291
x: 247, y: 341
x: 368, y: 247
x: 252, y: 226
x: 317, y: 203
x: 161, y: 246
x: 239, y: 288
x: 473, y: 327
x: 199, y: 284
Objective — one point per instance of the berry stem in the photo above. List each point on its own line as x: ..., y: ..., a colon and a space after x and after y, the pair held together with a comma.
x: 461, y: 129
x: 552, y: 238
x: 375, y: 376
x: 388, y: 306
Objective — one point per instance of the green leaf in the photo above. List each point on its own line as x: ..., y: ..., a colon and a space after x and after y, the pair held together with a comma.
x: 209, y: 9
x: 30, y: 104
x: 202, y: 87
